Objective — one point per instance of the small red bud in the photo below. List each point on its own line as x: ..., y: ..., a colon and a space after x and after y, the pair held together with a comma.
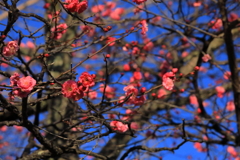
x: 192, y: 73
x: 52, y: 83
x: 132, y: 28
x: 3, y: 36
x: 109, y: 28
x: 46, y: 55
x: 143, y: 90
x: 73, y: 45
x: 182, y: 90
x: 105, y: 29
x: 196, y: 68
x: 108, y: 55
x: 86, y: 42
x: 154, y: 94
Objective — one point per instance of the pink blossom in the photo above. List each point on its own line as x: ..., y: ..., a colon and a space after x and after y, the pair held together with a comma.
x: 10, y: 49
x: 119, y: 126
x: 130, y: 89
x: 19, y: 93
x: 88, y: 30
x: 230, y: 106
x: 14, y: 79
x: 76, y: 6
x: 87, y: 80
x: 126, y: 67
x: 26, y: 84
x: 70, y: 89
x: 97, y: 8
x: 111, y: 40
x: 3, y: 128
x: 167, y: 81
x: 55, y: 17
x: 18, y: 128
x: 46, y: 6
x: 220, y: 91
x: 137, y: 75
x: 58, y: 31
x: 116, y: 14
x: 193, y: 100
x: 109, y: 91
x: 139, y: 1
x: 144, y: 27
x: 92, y: 94
x: 206, y: 58
x: 233, y: 17
x: 30, y: 44
x: 198, y: 146
x: 184, y: 54
x: 232, y: 151
x: 216, y: 24
x: 138, y: 101
x: 227, y: 75
x: 149, y: 46
x: 197, y: 4
x: 134, y: 126
x: 135, y: 50
x: 161, y: 93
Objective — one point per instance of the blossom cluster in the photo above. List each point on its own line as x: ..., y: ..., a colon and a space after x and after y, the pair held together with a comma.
x: 75, y: 90
x: 139, y: 1
x: 121, y: 127
x: 76, y: 6
x: 108, y: 10
x: 132, y: 93
x: 168, y: 80
x: 58, y: 31
x: 10, y: 49
x: 21, y: 86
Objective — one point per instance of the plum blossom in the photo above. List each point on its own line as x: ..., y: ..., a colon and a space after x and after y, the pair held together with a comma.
x: 137, y: 75
x: 58, y: 31
x: 116, y: 14
x: 206, y: 58
x: 26, y: 84
x: 230, y: 106
x: 70, y: 89
x: 167, y: 81
x: 134, y: 126
x: 227, y: 75
x: 21, y: 86
x: 92, y: 94
x: 130, y: 90
x: 14, y: 79
x: 220, y: 91
x: 193, y: 100
x: 109, y: 91
x: 76, y: 6
x: 197, y: 4
x: 232, y: 151
x: 161, y: 93
x: 144, y: 27
x: 89, y: 30
x: 111, y: 40
x: 217, y: 24
x: 108, y: 10
x: 11, y: 48
x: 139, y: 1
x: 119, y: 126
x: 126, y: 67
x: 87, y: 80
